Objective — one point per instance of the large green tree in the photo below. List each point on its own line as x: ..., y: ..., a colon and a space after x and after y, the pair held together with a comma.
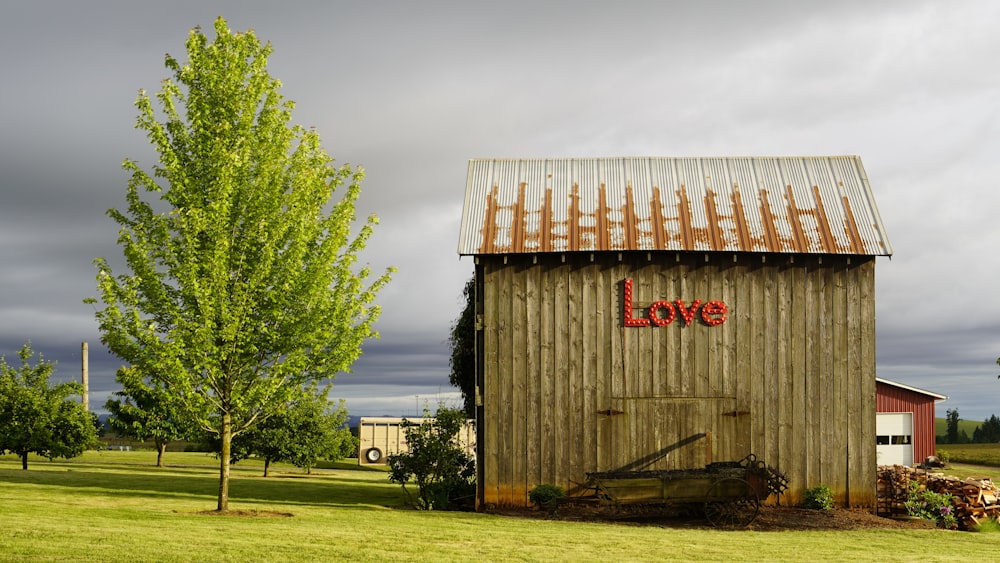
x: 244, y: 283
x: 143, y: 410
x: 463, y: 350
x: 39, y: 418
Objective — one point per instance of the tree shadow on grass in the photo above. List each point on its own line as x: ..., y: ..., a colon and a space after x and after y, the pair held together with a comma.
x: 203, y: 484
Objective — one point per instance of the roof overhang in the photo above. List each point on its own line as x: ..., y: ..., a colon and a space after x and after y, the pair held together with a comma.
x: 936, y: 396
x: 811, y: 205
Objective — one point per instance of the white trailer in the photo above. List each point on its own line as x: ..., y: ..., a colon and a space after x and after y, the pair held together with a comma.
x: 380, y: 437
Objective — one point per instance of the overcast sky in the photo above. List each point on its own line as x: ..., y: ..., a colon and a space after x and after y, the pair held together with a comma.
x: 412, y: 90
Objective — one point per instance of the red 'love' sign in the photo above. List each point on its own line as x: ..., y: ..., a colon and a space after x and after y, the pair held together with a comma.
x: 662, y: 313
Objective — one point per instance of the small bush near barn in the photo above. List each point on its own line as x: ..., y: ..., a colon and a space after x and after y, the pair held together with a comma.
x: 819, y: 497
x: 545, y: 496
x: 442, y: 470
x: 929, y: 505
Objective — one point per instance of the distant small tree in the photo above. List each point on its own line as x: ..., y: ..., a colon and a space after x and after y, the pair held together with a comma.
x: 38, y: 418
x: 144, y: 410
x: 442, y: 470
x: 98, y: 425
x: 988, y: 432
x: 951, y: 422
x: 310, y: 428
x: 463, y: 350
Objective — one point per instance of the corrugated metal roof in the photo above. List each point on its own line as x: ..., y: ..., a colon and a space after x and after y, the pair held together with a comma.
x: 821, y: 205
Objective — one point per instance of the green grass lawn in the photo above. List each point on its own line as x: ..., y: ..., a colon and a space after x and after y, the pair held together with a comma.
x: 116, y: 506
x: 977, y: 454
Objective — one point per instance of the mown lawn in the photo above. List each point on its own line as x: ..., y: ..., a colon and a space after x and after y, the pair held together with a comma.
x: 115, y: 506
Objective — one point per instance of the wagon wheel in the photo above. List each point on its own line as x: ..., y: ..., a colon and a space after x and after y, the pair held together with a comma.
x: 731, y: 503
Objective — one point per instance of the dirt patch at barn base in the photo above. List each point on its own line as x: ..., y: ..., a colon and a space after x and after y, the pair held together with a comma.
x: 770, y: 518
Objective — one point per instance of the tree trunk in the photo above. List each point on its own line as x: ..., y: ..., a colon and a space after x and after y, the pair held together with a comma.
x: 267, y: 466
x: 160, y: 448
x: 24, y: 461
x: 227, y: 442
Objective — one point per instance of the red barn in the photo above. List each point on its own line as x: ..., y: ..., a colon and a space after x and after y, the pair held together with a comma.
x: 904, y: 423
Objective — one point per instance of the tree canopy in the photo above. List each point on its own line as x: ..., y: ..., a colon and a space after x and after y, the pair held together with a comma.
x: 243, y: 281
x: 39, y: 418
x: 988, y: 432
x: 463, y: 350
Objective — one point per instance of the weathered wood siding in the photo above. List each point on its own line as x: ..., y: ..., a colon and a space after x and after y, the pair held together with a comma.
x: 565, y: 388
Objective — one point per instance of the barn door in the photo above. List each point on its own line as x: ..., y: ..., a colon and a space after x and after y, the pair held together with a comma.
x: 672, y: 433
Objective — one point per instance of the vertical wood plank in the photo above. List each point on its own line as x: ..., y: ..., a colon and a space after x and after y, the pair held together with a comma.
x: 537, y: 362
x: 492, y: 419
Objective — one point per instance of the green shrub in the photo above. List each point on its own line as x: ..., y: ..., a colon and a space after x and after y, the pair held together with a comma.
x: 546, y: 495
x: 819, y: 497
x: 442, y: 470
x: 944, y: 456
x: 931, y: 506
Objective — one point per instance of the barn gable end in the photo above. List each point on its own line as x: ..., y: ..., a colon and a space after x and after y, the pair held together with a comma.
x: 664, y: 313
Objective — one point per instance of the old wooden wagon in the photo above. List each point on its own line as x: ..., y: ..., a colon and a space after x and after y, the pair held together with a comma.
x: 729, y: 492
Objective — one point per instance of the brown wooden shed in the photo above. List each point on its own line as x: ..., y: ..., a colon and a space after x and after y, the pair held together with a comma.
x: 660, y: 313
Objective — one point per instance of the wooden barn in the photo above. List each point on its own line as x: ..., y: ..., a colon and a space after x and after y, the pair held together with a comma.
x: 661, y: 313
x: 904, y: 423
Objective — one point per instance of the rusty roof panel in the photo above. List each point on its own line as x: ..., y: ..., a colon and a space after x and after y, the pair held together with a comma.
x: 812, y: 205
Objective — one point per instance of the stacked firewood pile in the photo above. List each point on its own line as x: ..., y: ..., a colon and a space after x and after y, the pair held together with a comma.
x: 974, y: 499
